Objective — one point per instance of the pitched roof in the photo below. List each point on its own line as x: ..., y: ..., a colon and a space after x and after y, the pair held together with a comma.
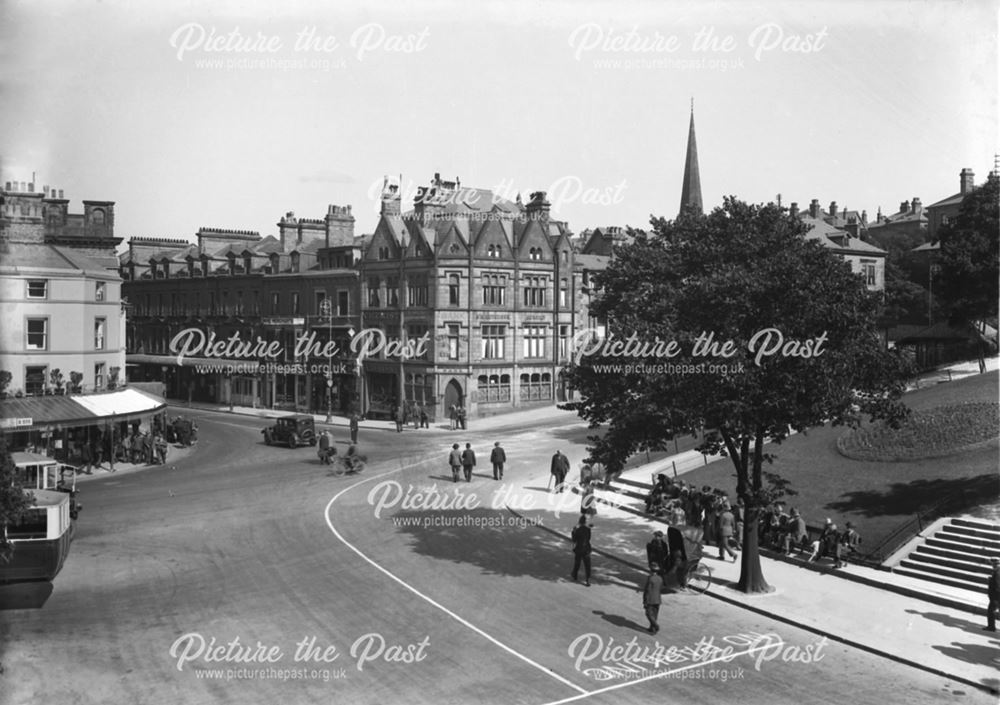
x: 34, y: 256
x: 837, y: 239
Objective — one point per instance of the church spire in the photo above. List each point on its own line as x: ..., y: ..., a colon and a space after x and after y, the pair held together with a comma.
x: 691, y: 188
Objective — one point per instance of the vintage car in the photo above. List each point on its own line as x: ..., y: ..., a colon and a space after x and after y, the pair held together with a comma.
x: 293, y: 431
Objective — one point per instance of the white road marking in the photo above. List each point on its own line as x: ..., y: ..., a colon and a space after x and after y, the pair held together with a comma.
x: 658, y: 674
x: 430, y: 600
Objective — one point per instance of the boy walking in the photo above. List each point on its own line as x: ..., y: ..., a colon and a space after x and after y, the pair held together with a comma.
x: 651, y: 597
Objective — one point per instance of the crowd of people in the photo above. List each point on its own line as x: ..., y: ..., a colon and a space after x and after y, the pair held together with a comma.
x: 682, y: 504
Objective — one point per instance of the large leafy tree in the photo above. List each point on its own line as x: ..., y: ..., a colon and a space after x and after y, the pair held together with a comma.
x: 14, y: 501
x: 738, y: 271
x: 968, y: 280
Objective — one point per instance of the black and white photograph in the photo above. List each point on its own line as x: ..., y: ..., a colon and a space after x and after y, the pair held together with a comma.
x: 499, y: 351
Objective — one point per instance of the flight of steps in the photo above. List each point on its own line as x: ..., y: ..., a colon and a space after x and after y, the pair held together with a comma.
x: 957, y: 554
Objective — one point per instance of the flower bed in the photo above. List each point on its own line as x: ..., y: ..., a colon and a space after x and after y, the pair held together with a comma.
x: 928, y: 433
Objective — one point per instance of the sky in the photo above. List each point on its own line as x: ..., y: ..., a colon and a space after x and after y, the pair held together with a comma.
x: 230, y: 114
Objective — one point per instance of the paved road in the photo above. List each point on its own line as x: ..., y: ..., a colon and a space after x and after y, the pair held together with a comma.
x: 334, y: 602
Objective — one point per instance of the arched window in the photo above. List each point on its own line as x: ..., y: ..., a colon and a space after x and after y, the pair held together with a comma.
x: 97, y: 216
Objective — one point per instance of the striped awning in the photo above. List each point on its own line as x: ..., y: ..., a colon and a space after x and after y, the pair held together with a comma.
x: 37, y: 413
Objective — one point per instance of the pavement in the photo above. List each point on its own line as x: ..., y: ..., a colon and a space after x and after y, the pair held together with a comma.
x: 914, y: 622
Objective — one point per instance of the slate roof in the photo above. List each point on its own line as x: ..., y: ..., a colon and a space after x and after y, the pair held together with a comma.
x: 34, y: 256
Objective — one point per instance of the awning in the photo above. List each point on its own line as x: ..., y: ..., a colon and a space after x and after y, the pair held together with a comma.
x: 33, y: 413
x: 171, y: 361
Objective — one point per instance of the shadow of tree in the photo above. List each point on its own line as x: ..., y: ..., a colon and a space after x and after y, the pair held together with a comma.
x: 905, y: 498
x: 499, y: 543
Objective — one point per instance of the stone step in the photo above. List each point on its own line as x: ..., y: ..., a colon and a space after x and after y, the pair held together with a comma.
x: 955, y: 554
x: 930, y: 569
x: 977, y: 567
x: 976, y: 524
x: 971, y: 542
x: 958, y: 543
x: 972, y: 534
x: 941, y: 580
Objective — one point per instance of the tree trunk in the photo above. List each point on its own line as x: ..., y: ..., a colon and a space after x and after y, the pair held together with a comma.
x: 751, y: 575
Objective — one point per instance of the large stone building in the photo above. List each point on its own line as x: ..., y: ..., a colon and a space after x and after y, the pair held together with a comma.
x: 298, y: 289
x: 63, y: 321
x: 489, y: 286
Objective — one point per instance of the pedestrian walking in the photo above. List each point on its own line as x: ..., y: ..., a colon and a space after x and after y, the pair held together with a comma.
x: 651, y: 596
x: 354, y: 428
x: 588, y: 502
x: 455, y: 462
x: 160, y: 448
x: 468, y: 461
x: 559, y: 469
x: 498, y: 457
x: 323, y: 451
x: 581, y: 550
x: 727, y: 527
x: 423, y: 417
x: 400, y: 419
x: 453, y: 416
x: 462, y: 417
x: 993, y: 593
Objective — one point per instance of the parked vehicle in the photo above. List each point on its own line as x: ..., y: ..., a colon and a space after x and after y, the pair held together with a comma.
x: 293, y: 431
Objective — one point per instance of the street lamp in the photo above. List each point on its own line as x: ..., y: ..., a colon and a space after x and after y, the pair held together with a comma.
x: 359, y: 378
x: 326, y: 309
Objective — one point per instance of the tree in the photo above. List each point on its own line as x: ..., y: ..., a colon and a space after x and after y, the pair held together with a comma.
x: 744, y: 274
x: 5, y: 380
x: 56, y: 380
x: 75, y: 382
x: 968, y: 281
x: 14, y: 501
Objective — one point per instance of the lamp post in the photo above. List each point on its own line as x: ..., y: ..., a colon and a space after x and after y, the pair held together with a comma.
x: 359, y: 379
x: 326, y: 309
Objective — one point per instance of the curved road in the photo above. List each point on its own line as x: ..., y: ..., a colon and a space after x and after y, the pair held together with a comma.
x: 247, y: 574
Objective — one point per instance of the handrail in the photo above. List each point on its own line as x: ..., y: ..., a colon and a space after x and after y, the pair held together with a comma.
x: 924, y: 515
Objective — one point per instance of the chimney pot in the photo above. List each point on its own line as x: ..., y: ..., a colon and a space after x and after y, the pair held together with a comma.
x: 915, y: 205
x: 833, y: 208
x: 814, y: 208
x: 904, y: 207
x: 864, y: 217
x: 794, y: 209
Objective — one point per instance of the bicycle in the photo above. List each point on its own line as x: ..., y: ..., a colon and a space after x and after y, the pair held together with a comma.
x: 346, y: 465
x: 699, y: 578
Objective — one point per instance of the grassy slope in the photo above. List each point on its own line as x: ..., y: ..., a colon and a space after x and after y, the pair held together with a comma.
x: 877, y: 497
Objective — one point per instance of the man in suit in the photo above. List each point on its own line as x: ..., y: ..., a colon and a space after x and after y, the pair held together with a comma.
x: 651, y: 597
x: 993, y: 593
x: 468, y: 461
x: 498, y: 457
x: 455, y: 462
x: 581, y: 550
x: 727, y: 527
x: 657, y: 552
x: 354, y: 428
x: 559, y: 469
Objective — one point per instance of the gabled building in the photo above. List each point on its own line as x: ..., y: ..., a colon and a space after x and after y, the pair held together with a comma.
x: 864, y: 258
x: 487, y: 283
x: 942, y: 212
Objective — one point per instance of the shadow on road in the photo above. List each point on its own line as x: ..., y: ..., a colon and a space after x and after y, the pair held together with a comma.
x: 25, y: 596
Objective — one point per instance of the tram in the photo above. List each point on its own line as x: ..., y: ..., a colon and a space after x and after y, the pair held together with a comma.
x: 40, y: 540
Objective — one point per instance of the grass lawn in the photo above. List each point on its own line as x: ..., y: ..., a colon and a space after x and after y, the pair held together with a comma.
x: 876, y: 496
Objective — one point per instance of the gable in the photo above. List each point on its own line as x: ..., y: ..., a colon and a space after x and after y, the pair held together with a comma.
x: 384, y: 243
x: 534, y: 244
x: 492, y: 242
x: 452, y: 242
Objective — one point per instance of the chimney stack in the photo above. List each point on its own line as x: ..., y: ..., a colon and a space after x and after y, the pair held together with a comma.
x: 538, y: 206
x: 814, y: 208
x: 864, y: 217
x: 967, y: 181
x: 904, y: 207
x: 794, y: 209
x: 915, y: 205
x: 833, y: 209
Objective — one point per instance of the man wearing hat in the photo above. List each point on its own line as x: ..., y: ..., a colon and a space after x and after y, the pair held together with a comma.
x: 498, y: 458
x: 658, y: 552
x: 993, y: 592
